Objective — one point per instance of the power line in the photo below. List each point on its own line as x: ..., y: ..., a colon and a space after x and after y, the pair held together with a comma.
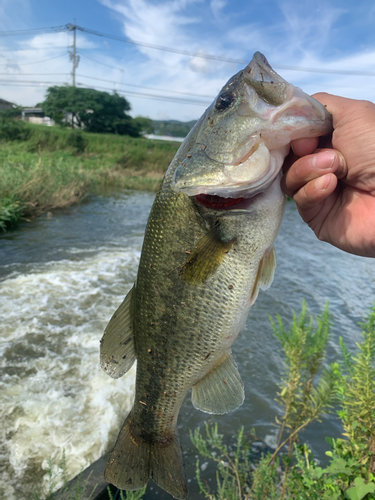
x: 70, y: 27
x: 101, y: 63
x: 27, y: 85
x: 33, y: 74
x: 33, y: 31
x: 152, y: 96
x: 143, y: 87
x: 34, y: 83
x: 85, y: 56
x: 15, y: 82
x: 329, y: 71
x: 159, y: 47
x: 30, y: 49
x: 44, y: 60
x: 220, y: 58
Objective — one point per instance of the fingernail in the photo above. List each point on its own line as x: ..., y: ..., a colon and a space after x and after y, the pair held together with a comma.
x: 324, y: 160
x: 322, y: 182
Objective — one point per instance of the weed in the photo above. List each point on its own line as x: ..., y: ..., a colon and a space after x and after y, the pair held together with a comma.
x: 128, y: 495
x: 350, y: 473
x: 10, y: 213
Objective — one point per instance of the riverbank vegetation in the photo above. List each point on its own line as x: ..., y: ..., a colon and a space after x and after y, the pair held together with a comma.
x: 306, y: 391
x: 42, y: 168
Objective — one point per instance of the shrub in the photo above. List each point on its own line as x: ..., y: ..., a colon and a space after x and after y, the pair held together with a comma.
x: 350, y: 473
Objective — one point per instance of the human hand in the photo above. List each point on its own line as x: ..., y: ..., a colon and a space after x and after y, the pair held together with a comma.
x: 334, y: 186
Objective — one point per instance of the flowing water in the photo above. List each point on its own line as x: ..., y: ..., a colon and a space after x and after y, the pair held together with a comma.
x: 61, y: 278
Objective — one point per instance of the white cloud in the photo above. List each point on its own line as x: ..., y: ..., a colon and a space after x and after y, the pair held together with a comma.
x: 308, y: 27
x: 217, y: 7
x: 202, y: 65
x: 159, y: 24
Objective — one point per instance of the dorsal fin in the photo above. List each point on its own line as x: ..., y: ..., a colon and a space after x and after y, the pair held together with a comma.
x: 117, y: 352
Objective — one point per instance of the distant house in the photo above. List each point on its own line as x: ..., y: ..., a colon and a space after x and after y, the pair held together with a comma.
x: 6, y: 105
x: 36, y: 115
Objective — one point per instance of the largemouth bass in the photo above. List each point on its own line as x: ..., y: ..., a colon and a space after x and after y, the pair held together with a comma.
x: 208, y: 249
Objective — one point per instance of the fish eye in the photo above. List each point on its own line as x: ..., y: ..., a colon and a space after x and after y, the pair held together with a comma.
x: 224, y: 101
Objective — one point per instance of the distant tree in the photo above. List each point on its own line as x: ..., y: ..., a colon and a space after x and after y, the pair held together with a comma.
x: 173, y: 127
x: 145, y: 125
x: 90, y: 109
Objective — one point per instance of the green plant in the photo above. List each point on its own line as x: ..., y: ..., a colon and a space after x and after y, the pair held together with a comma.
x: 356, y: 392
x: 232, y: 464
x: 76, y: 141
x: 350, y: 472
x: 129, y: 495
x: 10, y: 213
x: 301, y: 398
x: 13, y: 130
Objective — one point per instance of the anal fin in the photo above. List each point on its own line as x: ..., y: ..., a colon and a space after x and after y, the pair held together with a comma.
x: 221, y: 390
x: 117, y: 352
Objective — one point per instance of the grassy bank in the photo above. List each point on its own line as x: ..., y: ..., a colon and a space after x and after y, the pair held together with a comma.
x: 42, y: 168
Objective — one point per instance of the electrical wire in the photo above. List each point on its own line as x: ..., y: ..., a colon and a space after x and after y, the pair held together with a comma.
x: 328, y: 71
x: 34, y: 83
x: 44, y: 60
x: 220, y: 58
x: 33, y: 31
x: 70, y: 27
x: 32, y: 49
x: 143, y: 87
x: 150, y: 96
x: 149, y: 63
x: 27, y: 82
x: 34, y: 74
x: 159, y: 47
x: 101, y: 63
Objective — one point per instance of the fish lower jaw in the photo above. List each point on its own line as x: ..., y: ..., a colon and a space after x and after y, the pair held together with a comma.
x: 220, y: 203
x: 241, y: 200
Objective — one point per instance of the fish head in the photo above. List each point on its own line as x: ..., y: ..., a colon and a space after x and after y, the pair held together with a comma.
x: 244, y: 136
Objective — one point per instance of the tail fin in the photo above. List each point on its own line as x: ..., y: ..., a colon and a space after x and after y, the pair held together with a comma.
x: 133, y: 461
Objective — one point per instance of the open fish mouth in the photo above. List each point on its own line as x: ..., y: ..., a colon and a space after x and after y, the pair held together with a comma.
x: 218, y: 202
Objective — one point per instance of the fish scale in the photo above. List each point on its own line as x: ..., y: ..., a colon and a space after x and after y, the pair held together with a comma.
x: 203, y: 262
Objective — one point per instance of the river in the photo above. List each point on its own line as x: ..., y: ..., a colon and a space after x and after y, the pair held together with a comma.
x: 61, y: 278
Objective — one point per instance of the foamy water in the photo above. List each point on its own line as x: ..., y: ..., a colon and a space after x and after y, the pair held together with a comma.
x: 53, y: 390
x: 54, y: 396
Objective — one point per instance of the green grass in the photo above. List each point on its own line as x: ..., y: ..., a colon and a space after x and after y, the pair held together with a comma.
x: 49, y: 167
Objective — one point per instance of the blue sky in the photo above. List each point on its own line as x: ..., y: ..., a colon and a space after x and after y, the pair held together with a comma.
x: 328, y: 35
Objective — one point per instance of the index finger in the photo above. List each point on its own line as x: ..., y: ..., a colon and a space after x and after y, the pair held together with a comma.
x: 300, y: 147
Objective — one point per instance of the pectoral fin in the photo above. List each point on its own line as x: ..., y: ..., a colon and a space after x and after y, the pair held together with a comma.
x: 117, y: 353
x: 221, y: 390
x: 265, y: 274
x: 205, y: 258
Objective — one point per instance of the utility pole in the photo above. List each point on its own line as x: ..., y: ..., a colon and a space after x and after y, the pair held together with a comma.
x: 73, y: 54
